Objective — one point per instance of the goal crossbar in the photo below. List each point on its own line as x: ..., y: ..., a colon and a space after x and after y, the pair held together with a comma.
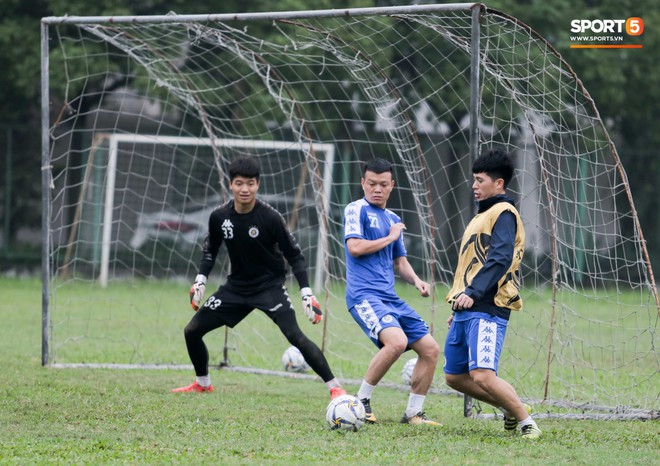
x: 221, y: 17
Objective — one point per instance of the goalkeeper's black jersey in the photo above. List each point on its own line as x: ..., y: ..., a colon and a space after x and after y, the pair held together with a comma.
x: 257, y: 243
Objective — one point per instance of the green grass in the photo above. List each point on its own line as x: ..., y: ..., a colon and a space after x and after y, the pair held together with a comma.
x: 602, y: 353
x: 98, y: 416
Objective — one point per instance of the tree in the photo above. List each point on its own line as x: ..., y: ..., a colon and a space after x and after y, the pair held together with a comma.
x: 625, y: 84
x: 20, y: 103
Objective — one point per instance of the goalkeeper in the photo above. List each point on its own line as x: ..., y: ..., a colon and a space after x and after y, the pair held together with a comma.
x: 374, y: 247
x: 257, y: 241
x: 484, y: 293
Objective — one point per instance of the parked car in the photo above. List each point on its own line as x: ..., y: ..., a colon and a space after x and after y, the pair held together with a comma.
x: 189, y: 227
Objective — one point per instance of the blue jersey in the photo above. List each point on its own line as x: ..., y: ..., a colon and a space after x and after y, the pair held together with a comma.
x: 371, y: 274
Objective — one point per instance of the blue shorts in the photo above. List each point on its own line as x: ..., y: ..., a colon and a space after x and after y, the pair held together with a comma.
x: 475, y: 343
x: 373, y: 315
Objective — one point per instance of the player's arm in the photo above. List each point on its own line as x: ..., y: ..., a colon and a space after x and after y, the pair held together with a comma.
x: 210, y: 250
x: 407, y: 274
x: 359, y: 246
x: 294, y: 256
x: 291, y: 251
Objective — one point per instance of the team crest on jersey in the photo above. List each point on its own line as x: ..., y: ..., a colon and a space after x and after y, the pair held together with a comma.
x: 253, y: 232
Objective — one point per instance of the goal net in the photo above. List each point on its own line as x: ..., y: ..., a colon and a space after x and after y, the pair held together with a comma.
x: 143, y: 114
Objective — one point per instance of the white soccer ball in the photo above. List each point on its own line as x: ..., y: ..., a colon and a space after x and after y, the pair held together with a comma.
x: 293, y: 360
x: 345, y: 413
x: 406, y: 372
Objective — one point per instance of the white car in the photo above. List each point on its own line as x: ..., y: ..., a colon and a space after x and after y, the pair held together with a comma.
x: 188, y: 228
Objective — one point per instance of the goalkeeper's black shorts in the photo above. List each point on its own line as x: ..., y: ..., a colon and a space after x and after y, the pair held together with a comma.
x: 227, y: 307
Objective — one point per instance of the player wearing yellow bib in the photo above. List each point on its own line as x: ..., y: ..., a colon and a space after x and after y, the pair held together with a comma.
x: 484, y: 293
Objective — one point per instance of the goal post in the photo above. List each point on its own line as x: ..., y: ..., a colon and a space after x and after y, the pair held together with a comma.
x: 142, y: 114
x: 113, y: 141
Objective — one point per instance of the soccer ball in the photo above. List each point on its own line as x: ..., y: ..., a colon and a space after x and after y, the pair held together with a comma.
x: 345, y: 413
x: 293, y: 360
x: 406, y: 372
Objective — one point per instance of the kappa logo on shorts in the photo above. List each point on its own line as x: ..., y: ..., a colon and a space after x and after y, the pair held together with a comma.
x: 486, y: 344
x: 387, y: 319
x: 253, y: 232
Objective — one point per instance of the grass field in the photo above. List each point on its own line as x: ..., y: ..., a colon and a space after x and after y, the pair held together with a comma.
x: 602, y: 350
x: 99, y: 416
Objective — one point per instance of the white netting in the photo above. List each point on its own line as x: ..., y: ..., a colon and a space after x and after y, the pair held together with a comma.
x: 313, y: 95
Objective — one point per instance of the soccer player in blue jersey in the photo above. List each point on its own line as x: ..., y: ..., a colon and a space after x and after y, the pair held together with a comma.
x: 484, y: 293
x: 258, y: 241
x: 373, y: 237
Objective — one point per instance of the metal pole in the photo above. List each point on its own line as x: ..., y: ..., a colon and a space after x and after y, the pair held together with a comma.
x: 323, y: 246
x: 474, y: 84
x: 332, y: 13
x: 474, y: 122
x: 45, y: 199
x: 8, y: 189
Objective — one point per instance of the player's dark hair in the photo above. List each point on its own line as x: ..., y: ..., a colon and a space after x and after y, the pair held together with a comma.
x: 377, y: 166
x: 245, y: 166
x: 495, y: 163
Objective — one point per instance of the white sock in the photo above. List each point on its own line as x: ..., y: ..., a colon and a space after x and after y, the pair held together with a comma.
x: 527, y: 421
x: 415, y: 404
x: 204, y: 380
x: 334, y: 383
x: 365, y: 391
